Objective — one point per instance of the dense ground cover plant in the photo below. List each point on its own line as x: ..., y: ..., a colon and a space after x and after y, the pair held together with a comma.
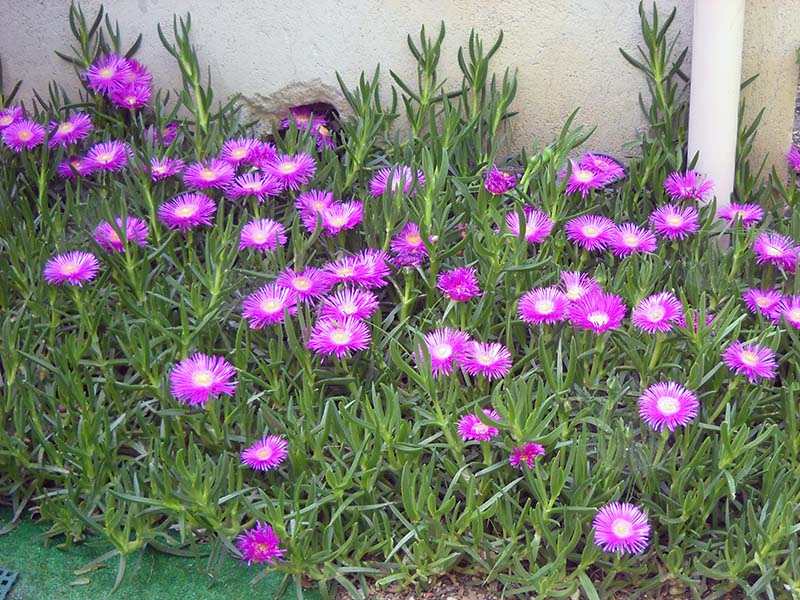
x: 350, y: 353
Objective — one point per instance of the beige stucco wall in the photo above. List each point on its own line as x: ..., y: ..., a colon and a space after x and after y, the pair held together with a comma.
x: 275, y: 52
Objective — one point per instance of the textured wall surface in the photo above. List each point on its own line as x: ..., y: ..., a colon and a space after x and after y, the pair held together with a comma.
x: 277, y: 53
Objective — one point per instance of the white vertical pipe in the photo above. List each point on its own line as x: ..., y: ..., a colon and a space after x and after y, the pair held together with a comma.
x: 717, y: 35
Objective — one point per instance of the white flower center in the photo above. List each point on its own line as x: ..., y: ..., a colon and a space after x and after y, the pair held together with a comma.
x: 668, y: 405
x: 203, y: 378
x: 622, y: 528
x: 598, y: 319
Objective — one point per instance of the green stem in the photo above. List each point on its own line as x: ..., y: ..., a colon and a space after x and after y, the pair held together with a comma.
x: 662, y: 443
x: 725, y: 399
x: 657, y: 351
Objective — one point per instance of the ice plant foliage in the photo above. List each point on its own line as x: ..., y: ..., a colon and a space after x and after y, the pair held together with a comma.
x: 200, y: 378
x: 667, y: 405
x: 621, y: 527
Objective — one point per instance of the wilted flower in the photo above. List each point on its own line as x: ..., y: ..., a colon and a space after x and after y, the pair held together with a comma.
x: 675, y: 222
x: 470, y: 427
x: 688, y: 186
x: 667, y: 405
x: 260, y: 545
x: 70, y: 131
x: 459, y: 284
x: 72, y: 267
x: 200, y: 377
x: 498, y: 182
x: 751, y: 360
x: 267, y: 453
x: 525, y: 456
x: 543, y: 305
x: 107, y: 236
x: 621, y: 527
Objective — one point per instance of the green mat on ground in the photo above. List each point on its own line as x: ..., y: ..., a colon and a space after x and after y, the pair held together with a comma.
x: 45, y: 573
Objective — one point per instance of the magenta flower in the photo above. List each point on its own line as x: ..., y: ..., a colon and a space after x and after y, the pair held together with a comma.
x: 793, y: 158
x: 603, y: 164
x: 167, y: 134
x: 107, y: 156
x: 135, y: 233
x: 165, y: 167
x: 577, y: 285
x: 444, y: 347
x: 257, y: 185
x: 751, y: 360
x: 659, y: 312
x: 459, y: 284
x: 591, y: 232
x: 621, y: 527
x: 291, y: 171
x: 584, y: 180
x: 597, y: 311
x: 267, y: 453
x: 339, y: 336
x: 688, y: 186
x: 263, y: 153
x: 132, y: 95
x: 23, y: 134
x: 776, y: 249
x: 750, y: 214
x: 791, y: 310
x: 492, y: 360
x: 264, y: 234
x: 324, y: 138
x: 69, y: 169
x: 628, y: 239
x: 543, y: 305
x: 266, y: 306
x: 470, y: 427
x: 239, y: 150
x: 214, y: 174
x: 260, y: 545
x: 349, y: 302
x: 498, y: 182
x: 310, y: 205
x: 200, y: 378
x: 367, y: 269
x: 72, y: 268
x: 768, y: 303
x: 187, y: 211
x: 10, y: 115
x: 339, y: 216
x: 525, y: 456
x: 674, y: 222
x: 691, y: 320
x: 408, y: 247
x: 536, y: 228
x: 667, y: 405
x: 138, y: 73
x: 394, y: 178
x: 107, y: 73
x: 70, y: 131
x: 307, y: 285
x: 303, y: 118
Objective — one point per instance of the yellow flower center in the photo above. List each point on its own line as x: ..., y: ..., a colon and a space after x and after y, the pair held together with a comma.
x: 762, y: 302
x: 340, y: 336
x: 6, y: 120
x: 264, y: 453
x: 349, y: 308
x: 208, y: 174
x: 105, y: 157
x: 668, y: 405
x: 113, y: 236
x: 302, y: 283
x: 25, y: 135
x: 584, y: 176
x: 413, y: 239
x: 749, y: 358
x: 656, y: 313
x: 107, y: 72
x: 259, y: 237
x: 66, y: 128
x: 591, y: 231
x: 270, y: 306
x: 574, y: 293
x: 674, y: 220
x: 187, y: 210
x: 442, y: 351
x: 774, y: 251
x: 545, y: 307
x: 287, y: 167
x: 338, y: 221
x: 480, y: 427
x: 239, y: 153
x: 345, y: 271
x: 203, y: 378
x: 794, y: 314
x: 631, y: 240
x: 70, y: 268
x: 485, y: 358
x: 622, y: 528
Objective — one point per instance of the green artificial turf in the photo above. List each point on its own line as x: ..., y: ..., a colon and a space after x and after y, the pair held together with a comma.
x: 46, y: 573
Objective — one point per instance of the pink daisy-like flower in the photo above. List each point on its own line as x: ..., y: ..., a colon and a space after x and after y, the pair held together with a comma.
x: 267, y: 305
x: 675, y: 222
x: 135, y: 233
x: 138, y: 74
x: 585, y: 180
x: 263, y: 153
x: 408, y: 247
x: 459, y: 284
x: 543, y: 305
x: 525, y: 456
x: 77, y: 127
x: 750, y: 214
x: 214, y: 174
x: 376, y: 268
x: 167, y: 134
x: 536, y: 228
x: 791, y: 310
x: 350, y: 302
x: 310, y: 205
x: 368, y: 269
x: 498, y: 182
x: 774, y: 248
x: 257, y: 185
x: 659, y: 312
x: 264, y: 234
x: 10, y: 115
x: 628, y: 239
x: 260, y: 545
x: 667, y: 405
x: 393, y: 178
x: 597, y: 311
x: 603, y: 164
x: 131, y: 95
x: 307, y: 285
x: 200, y: 378
x: 751, y: 360
x: 492, y: 360
x: 339, y: 336
x: 72, y: 268
x: 165, y: 167
x: 291, y: 171
x: 591, y: 232
x: 768, y: 303
x: 340, y: 216
x: 239, y: 150
x: 23, y: 134
x: 107, y: 73
x: 470, y: 427
x: 267, y: 453
x: 792, y: 158
x: 621, y: 527
x: 67, y: 168
x: 107, y: 156
x: 688, y: 186
x: 444, y: 347
x: 577, y: 285
x: 187, y: 211
x: 303, y: 118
